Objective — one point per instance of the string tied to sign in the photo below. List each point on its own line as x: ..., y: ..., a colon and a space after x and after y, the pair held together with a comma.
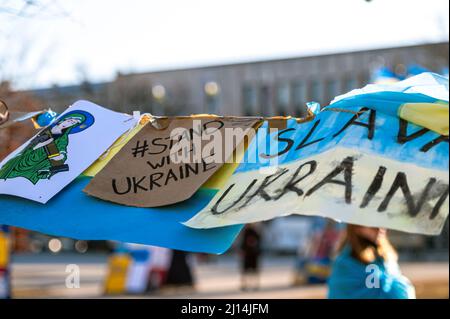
x: 141, y: 120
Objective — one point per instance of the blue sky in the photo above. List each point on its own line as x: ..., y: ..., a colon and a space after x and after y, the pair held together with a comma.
x: 75, y: 39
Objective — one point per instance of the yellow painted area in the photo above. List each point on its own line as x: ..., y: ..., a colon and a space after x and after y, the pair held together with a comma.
x: 54, y: 155
x: 318, y: 270
x: 216, y: 181
x: 100, y: 163
x: 433, y: 116
x: 220, y: 178
x: 117, y: 276
x: 4, y: 251
x: 387, y: 81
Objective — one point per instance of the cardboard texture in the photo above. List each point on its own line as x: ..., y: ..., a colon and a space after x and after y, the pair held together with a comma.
x: 168, y: 161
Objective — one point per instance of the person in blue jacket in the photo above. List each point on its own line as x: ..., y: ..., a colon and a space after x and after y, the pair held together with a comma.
x: 366, y: 268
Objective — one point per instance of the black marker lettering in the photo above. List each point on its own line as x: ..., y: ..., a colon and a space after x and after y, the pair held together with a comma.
x: 160, y: 164
x: 191, y: 168
x: 433, y: 143
x: 170, y: 175
x: 403, y: 136
x: 155, y: 177
x: 353, y: 121
x: 266, y: 182
x: 215, y: 210
x: 304, y: 143
x: 137, y: 184
x: 164, y: 146
x: 291, y: 185
x: 114, y: 186
x: 374, y: 187
x: 289, y: 142
x: 402, y: 183
x: 439, y: 204
x: 345, y: 166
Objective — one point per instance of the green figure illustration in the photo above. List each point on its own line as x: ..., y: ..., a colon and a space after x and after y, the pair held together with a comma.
x: 46, y: 154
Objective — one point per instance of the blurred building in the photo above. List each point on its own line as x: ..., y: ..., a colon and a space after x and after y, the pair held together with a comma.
x: 14, y: 136
x: 271, y: 87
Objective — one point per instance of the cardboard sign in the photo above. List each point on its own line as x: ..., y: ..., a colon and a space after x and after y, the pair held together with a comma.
x: 356, y: 165
x: 11, y: 118
x: 163, y: 166
x: 4, y: 249
x: 58, y: 154
x: 100, y: 220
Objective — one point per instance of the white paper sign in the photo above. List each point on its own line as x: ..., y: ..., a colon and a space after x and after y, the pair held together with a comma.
x: 43, y: 166
x: 342, y: 184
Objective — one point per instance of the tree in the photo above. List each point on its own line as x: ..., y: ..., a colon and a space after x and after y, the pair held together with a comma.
x: 14, y: 136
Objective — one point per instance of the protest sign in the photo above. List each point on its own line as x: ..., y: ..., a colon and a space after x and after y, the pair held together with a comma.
x: 4, y: 247
x: 162, y: 166
x: 10, y: 118
x: 357, y: 164
x: 5, y: 280
x: 95, y: 219
x: 58, y: 154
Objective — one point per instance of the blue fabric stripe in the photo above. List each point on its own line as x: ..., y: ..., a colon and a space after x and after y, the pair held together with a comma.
x: 74, y: 214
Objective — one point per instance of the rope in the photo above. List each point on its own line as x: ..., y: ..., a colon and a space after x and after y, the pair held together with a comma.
x: 143, y: 120
x: 122, y: 139
x: 4, y: 116
x: 336, y: 109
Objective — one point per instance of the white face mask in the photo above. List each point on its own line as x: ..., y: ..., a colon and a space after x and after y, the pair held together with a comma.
x: 57, y: 129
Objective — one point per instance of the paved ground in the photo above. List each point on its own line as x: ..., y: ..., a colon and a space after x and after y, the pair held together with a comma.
x: 44, y: 277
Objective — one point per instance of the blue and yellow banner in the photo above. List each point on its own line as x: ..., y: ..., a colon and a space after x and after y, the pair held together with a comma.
x: 375, y: 157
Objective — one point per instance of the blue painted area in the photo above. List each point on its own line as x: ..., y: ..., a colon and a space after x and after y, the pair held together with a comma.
x: 349, y: 276
x: 46, y: 118
x: 415, y: 69
x: 383, y: 73
x: 355, y: 137
x: 74, y: 214
x: 140, y: 255
x: 386, y: 102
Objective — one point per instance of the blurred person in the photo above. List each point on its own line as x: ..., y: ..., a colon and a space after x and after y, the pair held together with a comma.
x: 250, y: 253
x: 179, y: 274
x: 5, y: 280
x: 366, y: 267
x: 160, y: 261
x: 313, y: 266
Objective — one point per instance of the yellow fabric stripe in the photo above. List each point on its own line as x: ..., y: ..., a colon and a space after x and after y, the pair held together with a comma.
x: 216, y: 181
x: 54, y: 155
x: 433, y: 116
x: 220, y: 178
x: 100, y: 163
x: 117, y: 276
x: 4, y: 251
